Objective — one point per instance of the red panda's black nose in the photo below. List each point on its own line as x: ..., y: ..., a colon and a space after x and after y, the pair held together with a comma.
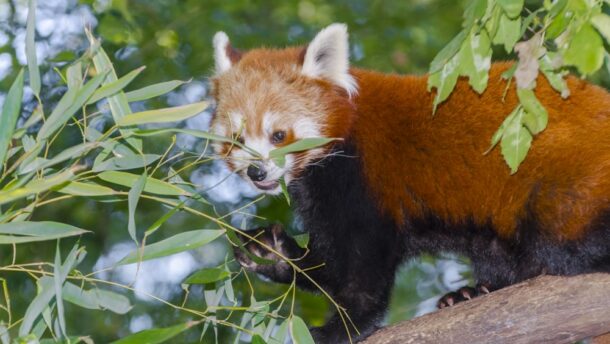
x: 256, y: 173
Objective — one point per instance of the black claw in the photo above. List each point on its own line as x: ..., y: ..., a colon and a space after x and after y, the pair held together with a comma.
x: 463, y: 294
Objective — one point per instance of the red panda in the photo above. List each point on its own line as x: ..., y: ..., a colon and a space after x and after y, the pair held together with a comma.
x: 402, y: 181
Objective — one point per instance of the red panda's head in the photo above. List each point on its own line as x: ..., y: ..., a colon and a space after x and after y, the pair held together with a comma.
x: 269, y: 98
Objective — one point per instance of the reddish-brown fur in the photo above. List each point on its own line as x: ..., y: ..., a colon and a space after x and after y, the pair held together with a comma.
x: 412, y: 157
x: 440, y: 162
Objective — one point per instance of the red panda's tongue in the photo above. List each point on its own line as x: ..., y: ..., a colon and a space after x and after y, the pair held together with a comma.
x: 267, y: 185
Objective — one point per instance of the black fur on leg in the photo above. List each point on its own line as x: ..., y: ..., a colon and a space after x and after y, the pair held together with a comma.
x: 359, y: 247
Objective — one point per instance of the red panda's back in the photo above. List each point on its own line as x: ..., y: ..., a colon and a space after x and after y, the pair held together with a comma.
x: 417, y: 163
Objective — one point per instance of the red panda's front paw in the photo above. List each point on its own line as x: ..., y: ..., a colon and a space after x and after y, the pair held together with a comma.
x: 270, y: 241
x: 463, y: 294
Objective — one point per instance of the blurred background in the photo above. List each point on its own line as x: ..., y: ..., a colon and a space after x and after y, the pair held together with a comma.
x: 173, y: 40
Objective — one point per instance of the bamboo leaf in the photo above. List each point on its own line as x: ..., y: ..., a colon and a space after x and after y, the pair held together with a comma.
x: 86, y: 189
x: 30, y: 48
x: 126, y: 162
x: 96, y: 299
x: 36, y: 186
x: 119, y: 107
x: 70, y: 153
x: 132, y: 199
x: 279, y: 154
x: 152, y: 91
x: 209, y: 275
x: 195, y: 133
x: 167, y: 115
x: 299, y: 331
x: 154, y: 186
x: 30, y: 231
x: 57, y: 284
x: 10, y: 114
x: 156, y: 335
x: 38, y: 304
x: 178, y: 243
x: 112, y: 88
x: 68, y: 105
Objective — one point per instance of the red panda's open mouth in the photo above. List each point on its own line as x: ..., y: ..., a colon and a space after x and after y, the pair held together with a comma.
x: 267, y: 185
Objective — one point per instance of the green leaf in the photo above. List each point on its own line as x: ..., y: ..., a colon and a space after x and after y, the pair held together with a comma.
x: 58, y: 285
x: 602, y: 24
x: 30, y: 231
x: 36, y: 186
x: 302, y: 239
x: 444, y: 81
x: 447, y: 53
x: 196, y: 133
x: 475, y: 60
x: 512, y: 8
x: 278, y: 154
x: 516, y: 142
x: 586, y: 51
x: 4, y: 334
x: 473, y: 12
x: 71, y: 102
x: 509, y: 32
x: 74, y: 74
x: 500, y: 132
x: 167, y: 115
x: 96, y: 299
x: 256, y: 339
x: 86, y: 189
x: 282, y: 332
x: 119, y: 107
x: 10, y: 114
x: 285, y: 190
x: 132, y: 200
x: 153, y: 90
x: 299, y: 331
x: 113, y: 87
x: 154, y: 186
x: 30, y: 48
x: 38, y: 304
x: 126, y: 162
x: 209, y: 275
x: 156, y: 335
x: 46, y: 291
x: 70, y: 153
x: 536, y: 116
x: 178, y: 243
x: 555, y: 78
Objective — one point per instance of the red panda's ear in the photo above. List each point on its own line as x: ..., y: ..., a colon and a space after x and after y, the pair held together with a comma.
x: 224, y: 54
x: 327, y: 57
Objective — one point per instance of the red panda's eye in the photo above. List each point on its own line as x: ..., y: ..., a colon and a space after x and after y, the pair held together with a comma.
x: 278, y: 137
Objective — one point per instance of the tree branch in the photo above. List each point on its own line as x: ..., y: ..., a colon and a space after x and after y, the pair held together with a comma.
x: 546, y: 309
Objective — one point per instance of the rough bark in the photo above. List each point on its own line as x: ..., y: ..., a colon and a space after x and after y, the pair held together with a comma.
x: 546, y: 309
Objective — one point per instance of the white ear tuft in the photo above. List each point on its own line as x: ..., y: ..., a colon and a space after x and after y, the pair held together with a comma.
x: 327, y: 57
x: 221, y: 56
